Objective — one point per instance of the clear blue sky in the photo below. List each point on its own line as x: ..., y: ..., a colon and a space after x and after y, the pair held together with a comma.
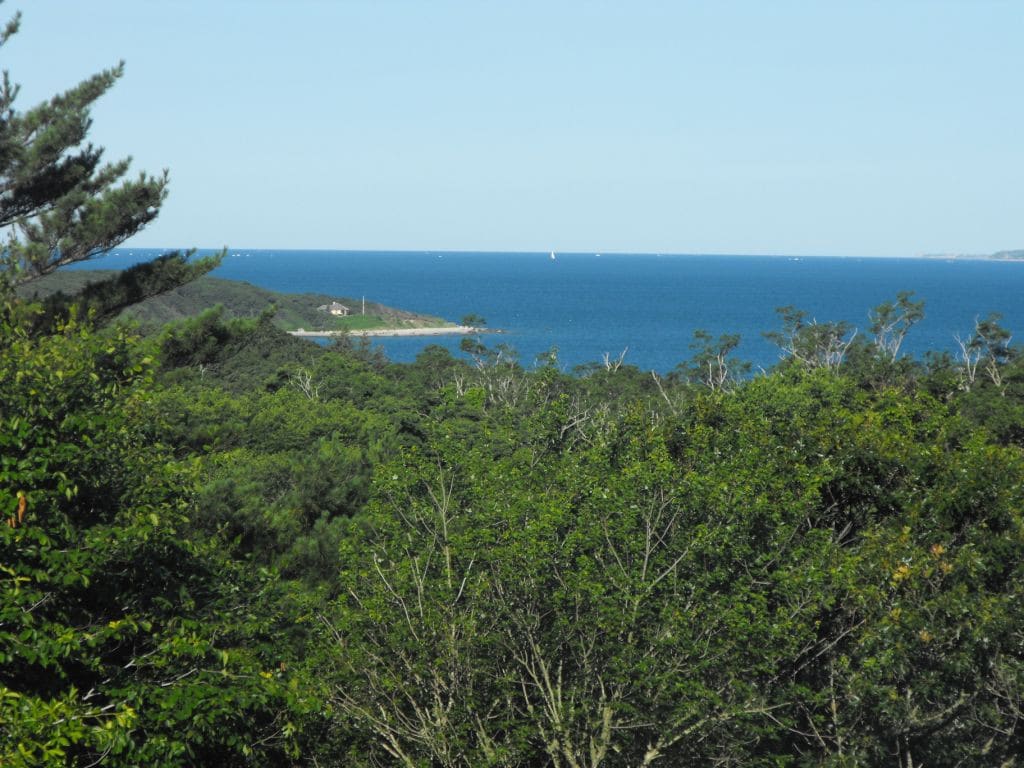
x: 866, y: 128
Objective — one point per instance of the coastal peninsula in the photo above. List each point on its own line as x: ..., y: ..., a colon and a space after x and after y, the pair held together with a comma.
x: 1011, y: 255
x: 301, y: 314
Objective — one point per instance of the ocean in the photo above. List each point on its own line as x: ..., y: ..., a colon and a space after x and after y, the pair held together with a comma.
x: 587, y: 304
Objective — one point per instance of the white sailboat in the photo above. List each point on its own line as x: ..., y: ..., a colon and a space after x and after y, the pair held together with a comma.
x: 552, y: 255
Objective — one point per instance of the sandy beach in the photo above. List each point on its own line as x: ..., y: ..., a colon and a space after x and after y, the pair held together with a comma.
x: 456, y: 330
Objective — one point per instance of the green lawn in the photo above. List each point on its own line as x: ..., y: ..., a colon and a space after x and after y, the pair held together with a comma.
x: 356, y: 323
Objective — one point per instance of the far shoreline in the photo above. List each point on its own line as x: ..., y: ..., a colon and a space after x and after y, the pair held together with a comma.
x: 448, y: 330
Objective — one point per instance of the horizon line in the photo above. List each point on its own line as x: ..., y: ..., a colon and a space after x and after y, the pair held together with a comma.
x: 232, y: 250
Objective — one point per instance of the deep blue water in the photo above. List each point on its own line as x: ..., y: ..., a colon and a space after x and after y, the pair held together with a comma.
x: 586, y: 305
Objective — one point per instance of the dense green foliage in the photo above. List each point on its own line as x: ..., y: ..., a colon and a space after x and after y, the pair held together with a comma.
x: 806, y: 571
x: 239, y: 546
x: 513, y: 567
x: 122, y: 635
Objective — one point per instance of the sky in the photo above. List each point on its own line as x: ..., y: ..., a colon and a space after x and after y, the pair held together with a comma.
x: 870, y: 128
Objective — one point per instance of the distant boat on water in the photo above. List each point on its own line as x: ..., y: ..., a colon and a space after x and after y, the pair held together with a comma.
x: 552, y: 255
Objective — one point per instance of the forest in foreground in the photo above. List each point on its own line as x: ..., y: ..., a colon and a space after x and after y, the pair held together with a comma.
x: 224, y: 546
x: 227, y: 546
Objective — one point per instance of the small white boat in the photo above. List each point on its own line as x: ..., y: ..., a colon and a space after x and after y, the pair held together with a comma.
x: 552, y: 255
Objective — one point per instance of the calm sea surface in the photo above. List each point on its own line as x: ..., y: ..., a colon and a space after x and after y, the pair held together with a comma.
x: 589, y: 304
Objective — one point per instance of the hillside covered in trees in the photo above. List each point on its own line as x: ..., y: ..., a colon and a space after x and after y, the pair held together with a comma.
x: 237, y: 299
x: 229, y: 546
x: 224, y: 546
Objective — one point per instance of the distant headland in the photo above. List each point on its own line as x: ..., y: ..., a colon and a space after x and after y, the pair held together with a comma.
x: 301, y: 314
x: 1017, y: 255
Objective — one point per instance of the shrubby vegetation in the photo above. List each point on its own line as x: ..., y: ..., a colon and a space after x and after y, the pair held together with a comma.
x: 225, y: 546
x: 241, y: 548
